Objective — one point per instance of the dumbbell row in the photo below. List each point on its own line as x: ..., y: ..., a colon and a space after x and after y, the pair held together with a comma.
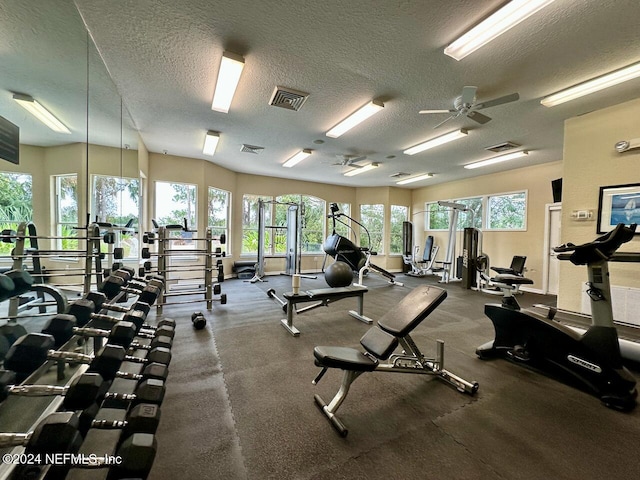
x: 59, y: 433
x: 31, y: 351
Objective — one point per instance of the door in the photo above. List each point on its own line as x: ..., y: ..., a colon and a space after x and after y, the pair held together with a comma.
x: 553, y: 232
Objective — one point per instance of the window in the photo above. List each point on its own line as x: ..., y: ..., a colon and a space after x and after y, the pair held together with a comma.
x: 250, y: 223
x: 176, y: 202
x: 116, y: 200
x: 507, y: 212
x: 16, y: 204
x: 465, y: 218
x: 218, y: 216
x: 66, y: 214
x: 399, y: 214
x: 372, y: 217
x: 436, y: 217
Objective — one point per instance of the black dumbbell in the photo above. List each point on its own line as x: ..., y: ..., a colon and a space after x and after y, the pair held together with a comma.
x: 62, y: 328
x: 57, y: 433
x: 199, y: 321
x: 6, y: 287
x: 81, y: 392
x: 114, y: 284
x: 34, y: 349
x: 22, y: 281
x: 136, y: 455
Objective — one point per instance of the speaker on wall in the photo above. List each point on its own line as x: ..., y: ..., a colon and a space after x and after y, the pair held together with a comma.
x: 556, y: 188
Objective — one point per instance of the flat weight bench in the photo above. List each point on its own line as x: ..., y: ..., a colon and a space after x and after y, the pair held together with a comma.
x: 380, y: 342
x: 323, y: 297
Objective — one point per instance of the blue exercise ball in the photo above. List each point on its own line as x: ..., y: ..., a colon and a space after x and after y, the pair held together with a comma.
x: 338, y: 274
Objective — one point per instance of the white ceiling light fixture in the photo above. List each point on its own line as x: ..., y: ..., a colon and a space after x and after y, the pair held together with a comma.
x: 434, y: 142
x: 229, y: 73
x: 297, y: 158
x: 593, y: 85
x: 37, y: 110
x: 414, y: 179
x: 508, y: 16
x: 501, y: 158
x: 362, y: 169
x: 211, y: 142
x: 355, y: 118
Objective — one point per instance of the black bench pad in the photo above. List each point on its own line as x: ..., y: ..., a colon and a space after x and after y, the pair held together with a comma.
x: 345, y: 358
x: 413, y: 308
x: 325, y: 294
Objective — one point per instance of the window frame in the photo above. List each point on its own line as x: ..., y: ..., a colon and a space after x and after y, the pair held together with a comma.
x: 391, y: 225
x: 58, y: 224
x: 505, y: 194
x: 372, y: 232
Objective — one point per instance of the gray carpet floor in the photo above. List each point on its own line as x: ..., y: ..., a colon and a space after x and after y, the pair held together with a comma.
x: 239, y: 401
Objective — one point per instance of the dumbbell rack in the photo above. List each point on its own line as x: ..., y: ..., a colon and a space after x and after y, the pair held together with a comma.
x: 165, y: 254
x: 20, y: 413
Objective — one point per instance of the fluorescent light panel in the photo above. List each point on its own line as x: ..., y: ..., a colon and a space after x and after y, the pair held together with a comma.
x: 364, y: 168
x: 229, y: 73
x: 211, y: 143
x: 434, y: 142
x: 501, y: 158
x: 594, y: 85
x: 41, y: 113
x: 297, y: 158
x: 508, y: 16
x: 355, y: 118
x: 414, y: 179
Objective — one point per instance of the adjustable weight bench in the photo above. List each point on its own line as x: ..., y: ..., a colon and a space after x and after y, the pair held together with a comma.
x: 380, y: 342
x: 323, y: 297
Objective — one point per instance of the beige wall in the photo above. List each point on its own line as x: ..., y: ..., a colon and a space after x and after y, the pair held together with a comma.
x: 590, y: 162
x: 500, y: 246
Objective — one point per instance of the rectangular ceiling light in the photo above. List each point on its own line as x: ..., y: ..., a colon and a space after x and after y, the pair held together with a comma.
x: 501, y: 158
x: 41, y: 113
x: 593, y: 85
x: 211, y: 143
x: 297, y: 158
x: 364, y: 168
x: 414, y: 179
x: 355, y: 118
x: 229, y: 73
x: 434, y: 142
x: 508, y: 16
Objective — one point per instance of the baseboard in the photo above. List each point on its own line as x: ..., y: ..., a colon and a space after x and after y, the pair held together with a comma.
x: 532, y: 290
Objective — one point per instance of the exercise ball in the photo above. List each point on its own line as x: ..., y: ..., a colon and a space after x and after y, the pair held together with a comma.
x: 338, y: 274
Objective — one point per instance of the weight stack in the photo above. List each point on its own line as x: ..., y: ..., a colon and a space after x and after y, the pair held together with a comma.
x: 407, y: 243
x: 469, y: 255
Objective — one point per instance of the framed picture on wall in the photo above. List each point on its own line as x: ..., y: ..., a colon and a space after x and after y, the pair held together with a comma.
x: 618, y: 204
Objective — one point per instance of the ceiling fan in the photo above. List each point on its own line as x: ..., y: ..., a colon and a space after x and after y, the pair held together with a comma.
x: 466, y: 105
x: 349, y: 160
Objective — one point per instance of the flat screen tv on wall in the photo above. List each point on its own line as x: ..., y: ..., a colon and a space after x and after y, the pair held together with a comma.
x: 9, y: 141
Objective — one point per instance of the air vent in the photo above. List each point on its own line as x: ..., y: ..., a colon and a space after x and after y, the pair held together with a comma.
x: 502, y: 147
x: 288, y: 98
x: 251, y: 149
x: 399, y: 174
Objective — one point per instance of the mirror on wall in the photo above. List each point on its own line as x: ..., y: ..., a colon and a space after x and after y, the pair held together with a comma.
x: 47, y: 55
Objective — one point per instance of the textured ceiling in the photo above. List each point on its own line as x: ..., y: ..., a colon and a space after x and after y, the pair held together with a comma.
x: 163, y: 56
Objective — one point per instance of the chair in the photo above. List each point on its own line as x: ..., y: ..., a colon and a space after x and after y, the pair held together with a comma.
x: 516, y: 268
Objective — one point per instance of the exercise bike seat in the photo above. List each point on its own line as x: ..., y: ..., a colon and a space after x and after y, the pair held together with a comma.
x: 511, y: 280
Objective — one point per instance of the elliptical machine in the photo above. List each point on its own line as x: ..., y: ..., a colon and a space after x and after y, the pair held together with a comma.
x: 344, y: 250
x: 592, y: 360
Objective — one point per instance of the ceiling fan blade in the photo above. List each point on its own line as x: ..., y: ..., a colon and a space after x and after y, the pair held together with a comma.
x: 445, y: 121
x: 436, y: 111
x: 497, y: 101
x: 468, y: 95
x: 478, y: 117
